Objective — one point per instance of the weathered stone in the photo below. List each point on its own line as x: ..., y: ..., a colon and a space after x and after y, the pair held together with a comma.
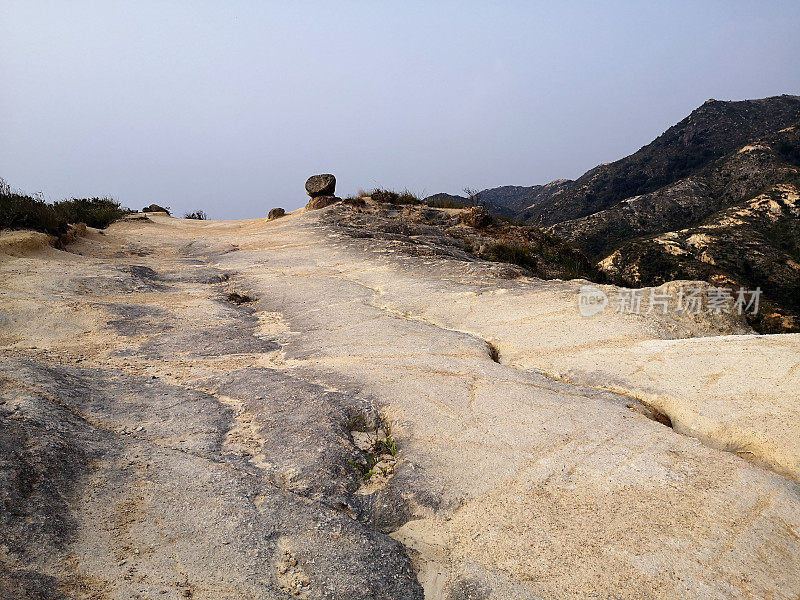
x: 275, y: 213
x: 477, y: 217
x: 321, y: 185
x: 155, y: 208
x: 321, y: 202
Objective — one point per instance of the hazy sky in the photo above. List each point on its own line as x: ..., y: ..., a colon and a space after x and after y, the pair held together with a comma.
x: 230, y: 106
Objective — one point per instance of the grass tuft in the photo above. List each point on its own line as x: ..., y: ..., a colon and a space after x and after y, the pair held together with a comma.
x: 238, y: 298
x: 380, y: 448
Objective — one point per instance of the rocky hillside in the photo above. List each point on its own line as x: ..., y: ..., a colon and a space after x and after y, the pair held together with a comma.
x: 738, y: 177
x: 470, y: 234
x: 347, y: 404
x: 509, y: 200
x: 755, y: 243
x: 724, y: 159
x: 712, y: 131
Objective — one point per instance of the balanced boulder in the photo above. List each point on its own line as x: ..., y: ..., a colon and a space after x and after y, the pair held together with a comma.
x: 321, y: 202
x: 321, y: 185
x: 275, y: 213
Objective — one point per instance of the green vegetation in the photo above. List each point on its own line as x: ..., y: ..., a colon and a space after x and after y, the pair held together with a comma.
x: 200, y: 215
x: 366, y: 470
x: 511, y: 253
x: 445, y: 203
x: 542, y: 255
x: 385, y: 445
x: 21, y: 211
x: 381, y: 447
x: 392, y: 197
x: 18, y: 211
x: 95, y: 212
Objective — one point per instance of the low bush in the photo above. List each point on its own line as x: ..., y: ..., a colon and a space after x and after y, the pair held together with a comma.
x: 199, y: 215
x: 21, y: 211
x: 511, y: 253
x: 392, y: 197
x: 18, y: 211
x: 445, y: 203
x: 95, y: 212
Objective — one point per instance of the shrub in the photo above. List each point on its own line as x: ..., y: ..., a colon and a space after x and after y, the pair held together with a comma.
x: 511, y: 253
x: 445, y: 203
x: 381, y: 448
x: 200, y: 215
x: 392, y: 197
x: 18, y: 211
x: 473, y: 196
x: 95, y: 212
x: 21, y: 211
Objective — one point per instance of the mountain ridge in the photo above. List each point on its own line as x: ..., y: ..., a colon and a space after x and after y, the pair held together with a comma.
x: 723, y: 156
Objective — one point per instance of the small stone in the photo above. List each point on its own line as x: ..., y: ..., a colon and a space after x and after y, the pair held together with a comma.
x: 275, y: 213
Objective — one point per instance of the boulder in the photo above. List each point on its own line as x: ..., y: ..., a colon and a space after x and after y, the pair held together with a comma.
x: 321, y: 202
x: 321, y: 185
x: 275, y: 213
x: 477, y: 217
x: 155, y: 208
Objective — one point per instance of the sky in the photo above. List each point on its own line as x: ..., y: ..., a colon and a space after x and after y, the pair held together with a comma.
x: 229, y: 106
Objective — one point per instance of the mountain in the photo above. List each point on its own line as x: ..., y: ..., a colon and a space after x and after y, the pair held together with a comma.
x: 713, y: 198
x: 508, y: 200
x: 712, y: 131
x: 725, y: 182
x: 755, y: 243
